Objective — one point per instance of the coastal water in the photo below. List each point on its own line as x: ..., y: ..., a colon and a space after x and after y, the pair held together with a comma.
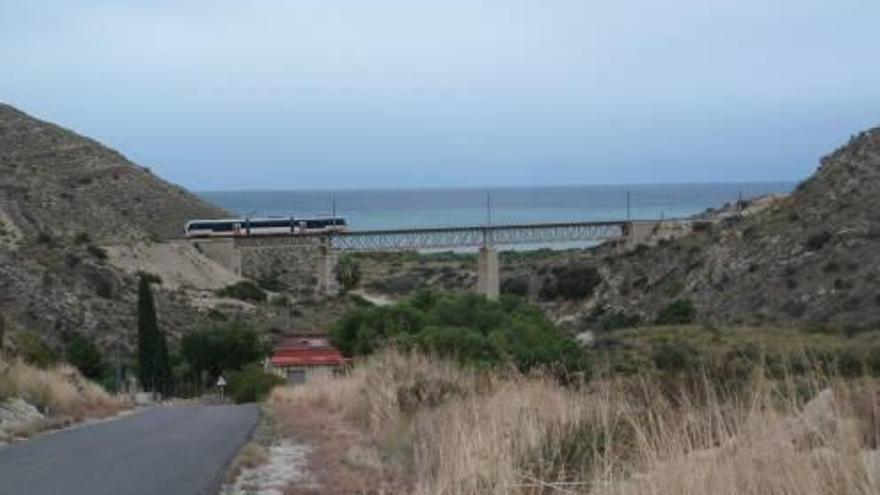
x: 396, y: 208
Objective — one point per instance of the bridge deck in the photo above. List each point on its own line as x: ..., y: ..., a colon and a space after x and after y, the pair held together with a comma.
x: 450, y: 237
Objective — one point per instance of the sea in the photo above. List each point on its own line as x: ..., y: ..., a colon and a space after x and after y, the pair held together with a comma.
x: 445, y: 207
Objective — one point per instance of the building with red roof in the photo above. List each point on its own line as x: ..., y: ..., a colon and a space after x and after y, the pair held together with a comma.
x: 300, y: 358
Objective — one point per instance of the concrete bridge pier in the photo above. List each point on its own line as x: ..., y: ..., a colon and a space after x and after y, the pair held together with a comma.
x: 639, y: 233
x: 327, y: 260
x: 488, y: 278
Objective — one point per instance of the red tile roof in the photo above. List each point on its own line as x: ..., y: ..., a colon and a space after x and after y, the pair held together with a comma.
x: 304, y: 342
x: 307, y: 350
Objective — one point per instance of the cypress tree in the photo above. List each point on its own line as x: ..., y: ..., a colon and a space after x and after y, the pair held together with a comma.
x: 163, y: 363
x: 154, y: 367
x: 146, y: 327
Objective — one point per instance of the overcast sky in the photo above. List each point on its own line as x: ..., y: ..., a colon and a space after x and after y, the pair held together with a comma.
x: 330, y: 94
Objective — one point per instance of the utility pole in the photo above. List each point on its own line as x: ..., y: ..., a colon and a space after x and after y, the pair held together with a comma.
x: 628, y: 207
x: 118, y: 369
x: 488, y: 208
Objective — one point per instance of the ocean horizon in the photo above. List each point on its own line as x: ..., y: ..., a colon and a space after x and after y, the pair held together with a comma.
x: 444, y: 207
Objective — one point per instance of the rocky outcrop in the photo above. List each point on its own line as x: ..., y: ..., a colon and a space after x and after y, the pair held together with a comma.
x: 16, y: 414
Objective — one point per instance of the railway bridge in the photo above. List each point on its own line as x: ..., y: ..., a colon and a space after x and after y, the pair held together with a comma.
x: 485, y: 238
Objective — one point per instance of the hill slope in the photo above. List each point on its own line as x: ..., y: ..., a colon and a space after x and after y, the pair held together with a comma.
x: 63, y: 197
x: 56, y: 181
x: 813, y: 258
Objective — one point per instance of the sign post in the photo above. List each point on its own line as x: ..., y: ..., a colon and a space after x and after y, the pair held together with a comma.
x: 221, y: 383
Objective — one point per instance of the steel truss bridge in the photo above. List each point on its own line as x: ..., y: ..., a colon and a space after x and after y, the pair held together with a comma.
x: 448, y: 237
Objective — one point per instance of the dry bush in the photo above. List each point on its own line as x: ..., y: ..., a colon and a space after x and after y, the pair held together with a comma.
x: 460, y: 432
x: 57, y: 391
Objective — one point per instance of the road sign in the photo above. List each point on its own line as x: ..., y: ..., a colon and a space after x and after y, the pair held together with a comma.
x: 220, y: 384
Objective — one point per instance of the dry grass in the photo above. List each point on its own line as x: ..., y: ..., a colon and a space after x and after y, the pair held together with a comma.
x: 444, y: 430
x: 57, y: 392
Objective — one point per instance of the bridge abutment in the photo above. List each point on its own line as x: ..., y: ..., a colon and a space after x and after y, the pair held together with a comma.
x: 488, y: 277
x: 223, y: 252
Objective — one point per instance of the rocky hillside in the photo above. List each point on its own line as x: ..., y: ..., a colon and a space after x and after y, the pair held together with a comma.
x: 55, y: 181
x: 63, y: 199
x: 811, y: 259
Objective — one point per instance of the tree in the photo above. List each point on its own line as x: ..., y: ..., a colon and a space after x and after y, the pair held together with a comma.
x: 216, y: 350
x: 466, y: 327
x: 244, y: 291
x: 154, y: 370
x: 348, y: 273
x: 84, y: 354
x: 252, y: 384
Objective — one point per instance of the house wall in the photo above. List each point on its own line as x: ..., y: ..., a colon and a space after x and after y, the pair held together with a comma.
x: 311, y: 372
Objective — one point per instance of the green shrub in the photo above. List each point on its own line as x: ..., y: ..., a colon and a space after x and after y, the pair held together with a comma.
x: 103, y: 283
x: 617, y: 320
x: 33, y: 350
x: 570, y: 451
x: 702, y: 226
x: 251, y: 384
x: 850, y: 364
x: 46, y: 239
x: 217, y: 315
x: 151, y: 278
x: 85, y: 356
x: 462, y: 344
x: 82, y: 238
x: 97, y: 251
x: 831, y: 267
x: 680, y: 312
x: 795, y: 308
x: 639, y: 250
x: 873, y: 360
x: 817, y: 241
x: 360, y: 301
x: 812, y: 359
x: 518, y: 286
x: 348, y: 273
x: 244, y: 291
x: 72, y: 260
x: 271, y: 283
x: 280, y: 301
x: 675, y: 356
x: 465, y: 327
x: 742, y: 360
x: 570, y: 282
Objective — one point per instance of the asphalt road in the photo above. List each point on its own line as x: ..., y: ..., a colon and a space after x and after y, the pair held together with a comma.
x: 160, y: 451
